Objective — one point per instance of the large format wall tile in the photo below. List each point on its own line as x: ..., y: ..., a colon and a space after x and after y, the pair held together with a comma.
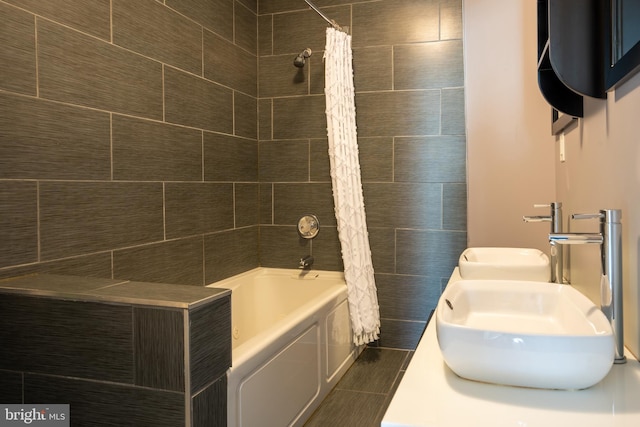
x: 291, y: 201
x: 376, y: 158
x: 398, y: 113
x: 79, y: 69
x: 197, y: 208
x: 445, y: 155
x: 229, y: 65
x: 428, y: 65
x: 403, y: 205
x: 177, y: 262
x: 18, y: 222
x: 299, y: 117
x: 209, y: 342
x: 83, y: 217
x: 89, y: 16
x: 196, y: 102
x: 246, y: 27
x: 450, y: 19
x: 264, y: 119
x: 214, y: 15
x: 247, y: 204
x: 279, y: 77
x: 372, y: 68
x: 47, y: 140
x: 44, y: 335
x: 454, y: 210
x: 284, y: 161
x: 230, y: 252
x: 93, y: 265
x: 210, y: 405
x: 431, y: 253
x: 326, y: 250
x: 383, y: 253
x: 265, y: 35
x: 144, y: 150
x: 453, y: 118
x: 11, y: 390
x: 407, y: 297
x: 245, y: 115
x: 395, y: 21
x: 17, y: 47
x: 150, y: 28
x: 159, y: 348
x: 105, y: 404
x: 398, y: 333
x: 228, y: 158
x: 281, y: 246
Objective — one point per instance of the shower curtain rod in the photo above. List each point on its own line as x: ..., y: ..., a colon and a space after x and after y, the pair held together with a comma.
x: 325, y: 17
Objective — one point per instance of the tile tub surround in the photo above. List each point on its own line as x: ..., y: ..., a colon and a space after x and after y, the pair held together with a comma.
x: 130, y: 352
x: 175, y: 141
x: 129, y: 139
x: 408, y: 71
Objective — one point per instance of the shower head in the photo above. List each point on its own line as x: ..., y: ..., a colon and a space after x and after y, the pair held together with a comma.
x: 300, y: 60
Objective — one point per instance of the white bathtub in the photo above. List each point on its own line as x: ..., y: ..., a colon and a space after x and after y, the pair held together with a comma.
x: 291, y: 344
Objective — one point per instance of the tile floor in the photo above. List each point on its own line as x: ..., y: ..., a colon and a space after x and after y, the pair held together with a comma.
x: 362, y: 396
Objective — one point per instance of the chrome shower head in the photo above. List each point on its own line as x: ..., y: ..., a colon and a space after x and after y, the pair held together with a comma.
x: 300, y: 60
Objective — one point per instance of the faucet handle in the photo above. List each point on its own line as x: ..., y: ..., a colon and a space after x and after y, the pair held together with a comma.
x: 542, y: 205
x: 598, y: 215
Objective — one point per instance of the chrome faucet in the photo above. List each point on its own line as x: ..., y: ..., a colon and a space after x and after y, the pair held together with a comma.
x: 610, y: 240
x: 306, y: 263
x: 556, y: 251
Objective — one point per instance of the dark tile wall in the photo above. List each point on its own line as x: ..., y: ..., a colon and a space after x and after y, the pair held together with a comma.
x: 117, y: 364
x: 128, y: 138
x: 153, y: 141
x: 408, y: 75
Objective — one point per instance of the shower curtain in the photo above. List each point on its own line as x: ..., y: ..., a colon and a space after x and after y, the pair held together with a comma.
x: 347, y: 188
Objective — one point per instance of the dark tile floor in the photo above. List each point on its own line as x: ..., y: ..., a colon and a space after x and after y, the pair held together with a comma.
x: 362, y: 396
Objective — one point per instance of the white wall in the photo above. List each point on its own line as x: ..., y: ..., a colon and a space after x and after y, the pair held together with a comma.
x: 509, y: 142
x: 513, y: 159
x: 602, y: 171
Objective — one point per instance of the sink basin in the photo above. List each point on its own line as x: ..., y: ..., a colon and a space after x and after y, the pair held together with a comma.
x: 504, y: 264
x: 522, y: 333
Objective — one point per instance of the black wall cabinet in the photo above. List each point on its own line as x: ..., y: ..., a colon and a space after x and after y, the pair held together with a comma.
x: 571, y: 45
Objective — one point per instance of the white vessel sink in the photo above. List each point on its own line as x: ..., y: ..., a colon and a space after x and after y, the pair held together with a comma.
x: 519, y: 333
x: 504, y: 264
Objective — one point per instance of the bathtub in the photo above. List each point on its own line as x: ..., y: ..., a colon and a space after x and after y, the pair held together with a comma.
x: 291, y: 344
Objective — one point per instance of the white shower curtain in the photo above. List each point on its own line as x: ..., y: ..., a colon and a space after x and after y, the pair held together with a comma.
x: 347, y: 188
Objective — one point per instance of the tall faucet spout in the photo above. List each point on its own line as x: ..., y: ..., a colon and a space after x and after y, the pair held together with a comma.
x: 555, y: 251
x: 610, y: 241
x: 575, y: 238
x: 536, y: 218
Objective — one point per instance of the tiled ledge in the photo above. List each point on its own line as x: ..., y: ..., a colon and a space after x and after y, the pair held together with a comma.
x: 112, y: 291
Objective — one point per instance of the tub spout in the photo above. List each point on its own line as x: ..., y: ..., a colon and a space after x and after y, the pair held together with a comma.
x: 306, y: 263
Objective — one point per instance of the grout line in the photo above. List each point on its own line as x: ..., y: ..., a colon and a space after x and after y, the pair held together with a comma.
x: 164, y: 108
x: 111, y: 21
x: 111, y: 145
x: 164, y: 212
x: 35, y: 35
x: 38, y: 234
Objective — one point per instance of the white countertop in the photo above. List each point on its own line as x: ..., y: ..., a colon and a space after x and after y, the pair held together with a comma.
x: 431, y: 395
